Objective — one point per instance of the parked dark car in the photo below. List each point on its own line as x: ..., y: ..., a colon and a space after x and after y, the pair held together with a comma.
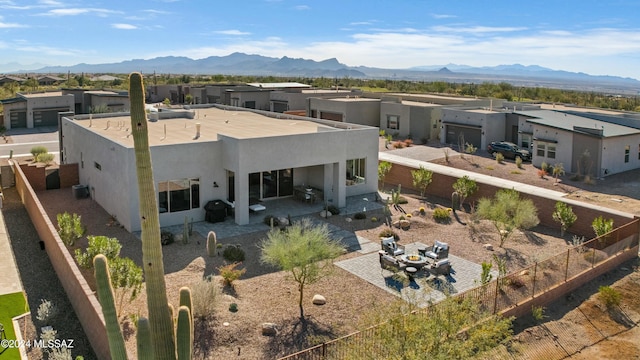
x: 509, y: 150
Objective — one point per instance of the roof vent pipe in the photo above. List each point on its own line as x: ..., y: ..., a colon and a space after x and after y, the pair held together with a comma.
x: 197, y: 131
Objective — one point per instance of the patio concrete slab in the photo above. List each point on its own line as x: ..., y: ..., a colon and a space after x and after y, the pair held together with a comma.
x: 422, y: 290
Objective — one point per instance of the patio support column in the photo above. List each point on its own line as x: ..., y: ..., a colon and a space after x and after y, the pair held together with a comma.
x: 241, y: 185
x: 338, y: 184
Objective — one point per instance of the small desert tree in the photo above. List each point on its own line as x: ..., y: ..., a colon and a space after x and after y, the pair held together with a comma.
x: 305, y: 250
x: 421, y: 179
x: 602, y: 226
x: 383, y: 169
x: 564, y: 215
x: 508, y: 212
x: 70, y: 228
x: 557, y: 170
x: 471, y: 150
x: 126, y: 278
x: 465, y: 187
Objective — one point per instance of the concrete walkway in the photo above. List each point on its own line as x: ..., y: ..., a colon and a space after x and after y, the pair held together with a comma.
x: 9, y: 276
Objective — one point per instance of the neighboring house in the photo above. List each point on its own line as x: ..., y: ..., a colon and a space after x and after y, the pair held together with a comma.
x: 10, y: 79
x: 356, y: 110
x: 209, y: 153
x: 35, y: 109
x: 87, y: 101
x: 477, y: 126
x: 49, y: 80
x: 582, y: 143
x: 410, y: 119
x: 296, y: 99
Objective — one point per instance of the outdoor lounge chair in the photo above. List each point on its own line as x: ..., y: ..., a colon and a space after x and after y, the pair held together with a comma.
x: 391, y: 247
x: 390, y: 263
x: 441, y: 267
x: 438, y: 251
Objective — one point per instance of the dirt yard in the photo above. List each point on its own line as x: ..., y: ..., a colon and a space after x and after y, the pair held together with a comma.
x: 265, y: 295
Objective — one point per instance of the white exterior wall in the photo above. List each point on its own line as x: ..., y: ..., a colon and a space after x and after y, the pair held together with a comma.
x: 16, y: 106
x: 111, y: 185
x: 613, y: 154
x: 564, y: 146
x: 491, y: 124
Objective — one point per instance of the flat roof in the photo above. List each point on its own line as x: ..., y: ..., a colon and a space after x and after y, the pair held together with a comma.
x: 430, y: 96
x: 561, y: 107
x: 324, y: 91
x: 567, y: 122
x: 42, y: 94
x: 419, y: 103
x: 279, y: 85
x: 213, y: 122
x: 354, y: 98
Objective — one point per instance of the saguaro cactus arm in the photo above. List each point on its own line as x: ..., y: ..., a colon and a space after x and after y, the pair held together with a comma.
x: 160, y: 321
x: 184, y: 336
x: 143, y: 338
x: 105, y: 295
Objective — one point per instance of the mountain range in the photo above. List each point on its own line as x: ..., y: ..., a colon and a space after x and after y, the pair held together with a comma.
x: 258, y: 65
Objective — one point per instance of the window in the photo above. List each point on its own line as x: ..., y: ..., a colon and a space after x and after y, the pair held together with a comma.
x: 627, y: 150
x: 551, y: 151
x: 393, y: 122
x: 639, y: 152
x: 541, y: 149
x: 526, y: 141
x: 178, y: 195
x: 355, y: 171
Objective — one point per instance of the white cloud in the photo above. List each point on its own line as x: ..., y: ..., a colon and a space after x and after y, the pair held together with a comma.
x: 442, y: 16
x: 79, y: 11
x: 303, y: 7
x: 476, y: 29
x: 4, y: 25
x: 360, y: 23
x: 124, y: 26
x: 232, y: 32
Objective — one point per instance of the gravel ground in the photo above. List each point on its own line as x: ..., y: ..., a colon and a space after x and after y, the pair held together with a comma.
x: 39, y: 280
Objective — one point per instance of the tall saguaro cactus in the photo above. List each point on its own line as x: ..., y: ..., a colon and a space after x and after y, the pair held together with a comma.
x: 161, y: 324
x: 105, y: 294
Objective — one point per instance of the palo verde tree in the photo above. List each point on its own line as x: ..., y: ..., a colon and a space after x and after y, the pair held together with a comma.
x: 383, y: 169
x: 421, y: 179
x: 508, y: 212
x: 157, y: 337
x: 564, y: 215
x: 465, y: 187
x: 305, y: 250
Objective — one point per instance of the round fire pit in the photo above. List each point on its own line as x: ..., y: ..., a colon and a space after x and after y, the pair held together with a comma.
x: 415, y: 260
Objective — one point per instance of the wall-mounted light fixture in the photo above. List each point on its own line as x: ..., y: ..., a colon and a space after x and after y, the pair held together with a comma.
x: 215, y: 184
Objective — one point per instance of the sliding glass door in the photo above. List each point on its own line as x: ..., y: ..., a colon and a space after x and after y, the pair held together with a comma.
x: 271, y: 184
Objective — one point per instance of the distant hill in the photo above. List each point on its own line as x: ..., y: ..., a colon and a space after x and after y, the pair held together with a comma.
x: 258, y: 65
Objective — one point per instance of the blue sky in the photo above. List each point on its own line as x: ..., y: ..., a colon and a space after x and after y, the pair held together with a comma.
x: 595, y: 37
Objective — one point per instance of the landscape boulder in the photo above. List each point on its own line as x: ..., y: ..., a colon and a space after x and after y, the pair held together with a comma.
x: 488, y: 247
x: 269, y: 329
x: 319, y: 299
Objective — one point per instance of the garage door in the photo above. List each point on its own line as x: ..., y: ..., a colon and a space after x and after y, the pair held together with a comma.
x: 280, y: 107
x: 18, y: 119
x: 45, y: 117
x: 471, y: 135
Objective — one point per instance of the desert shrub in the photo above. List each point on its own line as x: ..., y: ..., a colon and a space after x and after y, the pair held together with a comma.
x: 441, y: 215
x: 499, y: 158
x: 204, y: 296
x: 360, y: 216
x: 593, y: 256
x: 544, y: 166
x: 609, y: 296
x: 230, y: 274
x: 408, y: 142
x: 537, y: 312
x: 402, y: 200
x: 267, y: 220
x: 422, y: 210
x: 45, y: 158
x: 516, y: 172
x: 70, y: 228
x: 46, y: 310
x: 37, y: 150
x: 519, y: 162
x: 388, y: 232
x: 374, y: 219
x: 398, y: 145
x: 489, y: 168
x: 109, y: 247
x: 409, y: 216
x: 233, y: 253
x: 542, y: 173
x: 382, y: 133
x: 166, y: 237
x: 333, y: 209
x: 233, y: 307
